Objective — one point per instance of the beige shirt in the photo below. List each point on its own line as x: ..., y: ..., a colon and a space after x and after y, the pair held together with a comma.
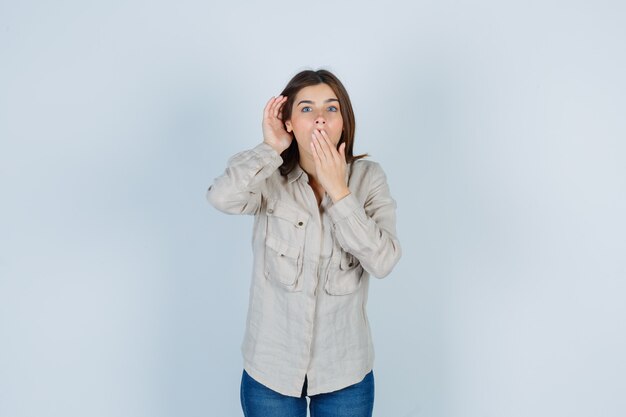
x: 311, y: 267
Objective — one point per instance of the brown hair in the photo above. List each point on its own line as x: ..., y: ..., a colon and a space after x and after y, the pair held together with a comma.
x: 305, y: 79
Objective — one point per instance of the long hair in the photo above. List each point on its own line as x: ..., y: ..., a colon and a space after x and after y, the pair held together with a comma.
x: 307, y: 78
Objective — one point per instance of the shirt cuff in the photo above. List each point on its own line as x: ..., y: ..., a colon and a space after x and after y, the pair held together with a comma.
x: 344, y: 208
x: 268, y: 154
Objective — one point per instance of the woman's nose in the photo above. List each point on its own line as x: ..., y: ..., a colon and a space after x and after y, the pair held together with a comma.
x: 320, y: 121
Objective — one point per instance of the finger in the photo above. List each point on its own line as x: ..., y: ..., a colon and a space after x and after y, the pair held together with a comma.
x: 281, y: 107
x: 279, y: 104
x: 268, y: 107
x: 282, y: 103
x: 329, y: 148
x: 317, y: 141
x: 316, y: 157
x: 276, y: 106
x: 342, y: 151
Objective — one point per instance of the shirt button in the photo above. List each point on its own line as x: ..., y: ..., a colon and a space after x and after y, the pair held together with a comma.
x: 300, y: 223
x: 270, y: 211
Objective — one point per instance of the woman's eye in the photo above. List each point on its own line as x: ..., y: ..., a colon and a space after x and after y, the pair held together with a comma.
x: 332, y: 108
x: 306, y: 109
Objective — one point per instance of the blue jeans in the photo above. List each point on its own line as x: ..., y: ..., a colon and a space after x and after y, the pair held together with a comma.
x: 357, y: 400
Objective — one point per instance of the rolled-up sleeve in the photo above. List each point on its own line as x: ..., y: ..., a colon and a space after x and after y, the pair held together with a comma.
x: 238, y: 189
x: 368, y: 230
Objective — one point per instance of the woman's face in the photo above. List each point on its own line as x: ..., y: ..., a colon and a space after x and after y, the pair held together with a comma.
x: 315, y: 107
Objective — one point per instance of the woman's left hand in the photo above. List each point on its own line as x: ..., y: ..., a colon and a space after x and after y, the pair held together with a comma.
x: 330, y: 165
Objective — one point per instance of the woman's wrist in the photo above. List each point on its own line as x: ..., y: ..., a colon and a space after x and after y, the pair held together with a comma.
x: 274, y: 146
x: 339, y: 194
x: 280, y: 148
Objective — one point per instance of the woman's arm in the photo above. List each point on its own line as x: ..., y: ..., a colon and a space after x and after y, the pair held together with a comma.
x: 368, y: 231
x: 238, y: 189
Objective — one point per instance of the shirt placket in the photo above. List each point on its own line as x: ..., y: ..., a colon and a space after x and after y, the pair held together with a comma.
x: 317, y: 217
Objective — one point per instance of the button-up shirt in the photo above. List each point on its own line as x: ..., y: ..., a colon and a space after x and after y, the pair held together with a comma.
x: 311, y: 267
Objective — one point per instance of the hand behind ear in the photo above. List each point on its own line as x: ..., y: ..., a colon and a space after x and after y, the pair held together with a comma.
x: 274, y: 132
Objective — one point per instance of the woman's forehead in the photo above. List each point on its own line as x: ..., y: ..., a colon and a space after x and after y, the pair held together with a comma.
x: 316, y: 92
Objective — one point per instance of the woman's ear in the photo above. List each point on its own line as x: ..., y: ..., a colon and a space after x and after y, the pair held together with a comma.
x: 288, y: 126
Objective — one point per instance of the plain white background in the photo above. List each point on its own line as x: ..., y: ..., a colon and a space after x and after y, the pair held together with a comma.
x: 501, y: 128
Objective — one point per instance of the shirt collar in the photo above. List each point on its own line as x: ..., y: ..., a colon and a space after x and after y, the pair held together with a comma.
x: 296, y: 173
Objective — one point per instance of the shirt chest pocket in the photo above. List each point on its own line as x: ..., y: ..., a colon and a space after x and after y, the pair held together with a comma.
x: 283, y: 262
x: 345, y: 277
x: 286, y: 222
x: 284, y: 244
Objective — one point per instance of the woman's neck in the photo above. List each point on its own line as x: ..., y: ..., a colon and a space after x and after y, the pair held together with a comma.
x: 308, y: 165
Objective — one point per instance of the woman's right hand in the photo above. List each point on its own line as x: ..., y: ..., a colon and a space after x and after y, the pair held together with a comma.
x: 274, y: 132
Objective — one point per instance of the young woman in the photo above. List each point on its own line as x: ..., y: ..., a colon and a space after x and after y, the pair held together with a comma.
x: 324, y: 221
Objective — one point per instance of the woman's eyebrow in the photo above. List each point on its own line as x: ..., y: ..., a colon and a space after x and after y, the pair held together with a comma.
x: 312, y: 102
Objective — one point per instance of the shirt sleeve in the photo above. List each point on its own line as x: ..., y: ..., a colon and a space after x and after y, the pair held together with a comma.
x: 368, y: 231
x: 238, y: 189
